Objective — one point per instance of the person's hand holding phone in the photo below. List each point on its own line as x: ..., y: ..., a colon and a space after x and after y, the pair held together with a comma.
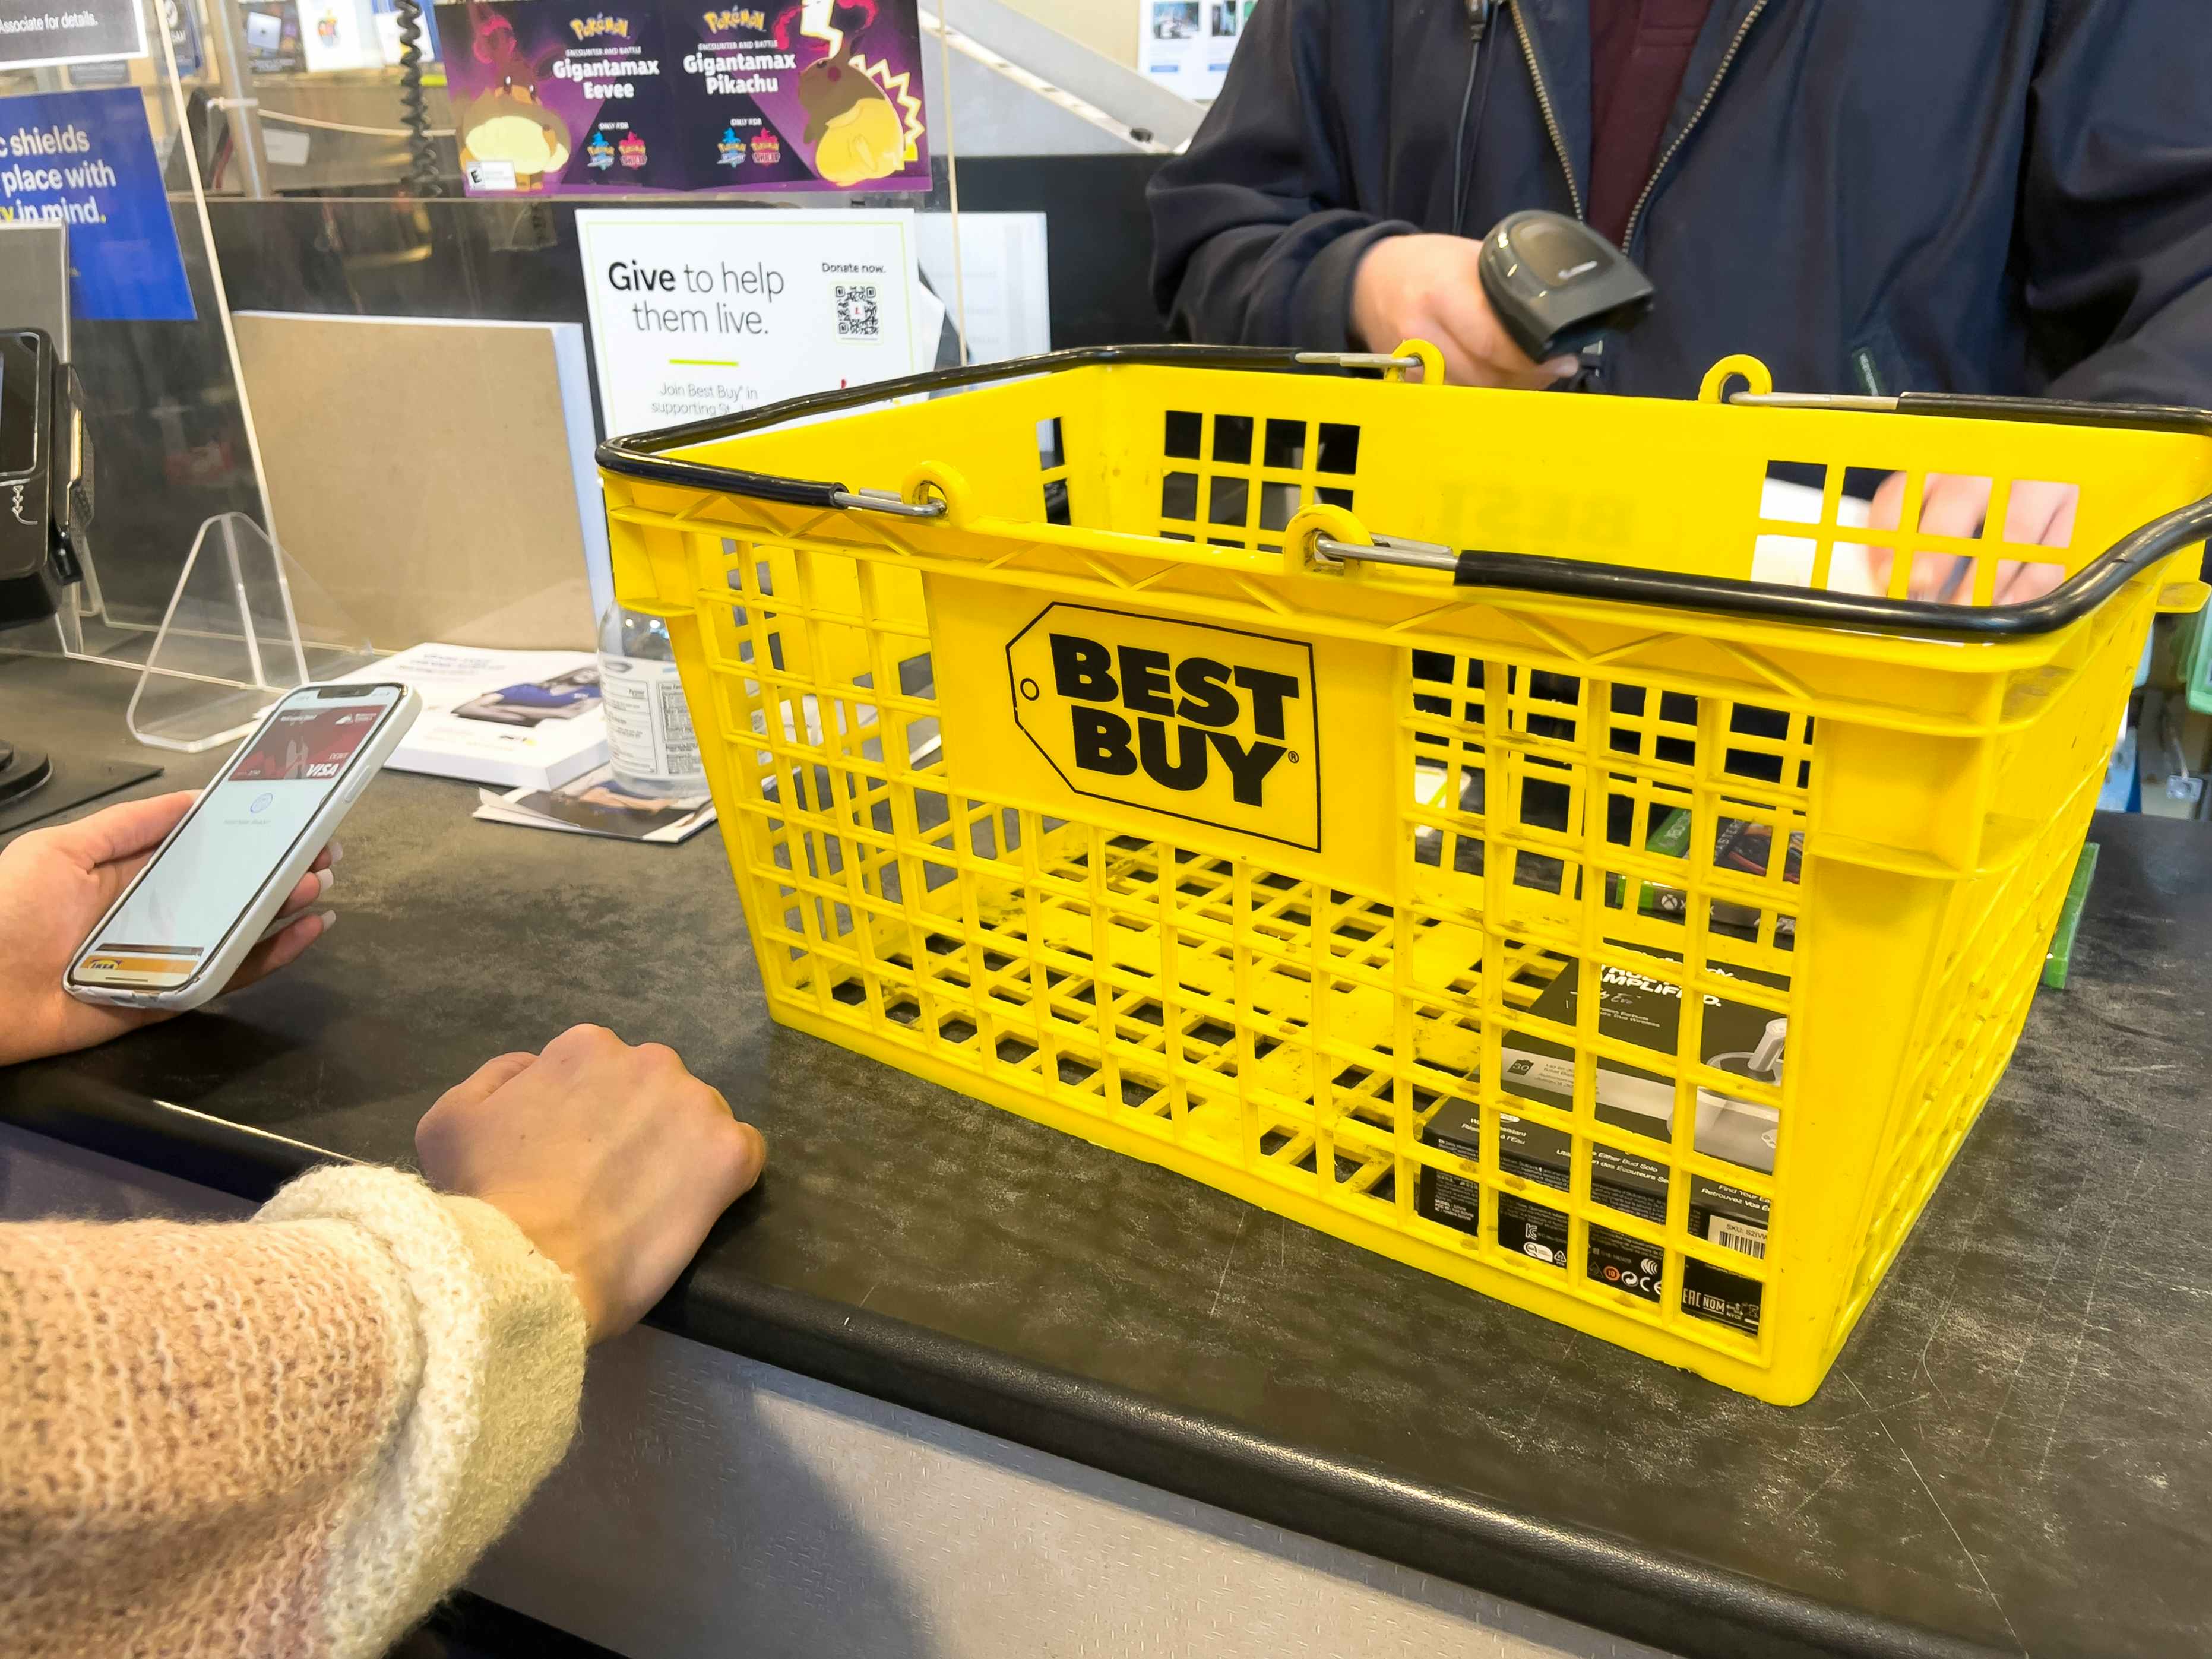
x: 56, y: 884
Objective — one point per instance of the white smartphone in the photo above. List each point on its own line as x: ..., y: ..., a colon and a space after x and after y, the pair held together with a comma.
x: 204, y: 899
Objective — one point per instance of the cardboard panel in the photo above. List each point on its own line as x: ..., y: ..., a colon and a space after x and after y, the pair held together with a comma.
x: 423, y: 471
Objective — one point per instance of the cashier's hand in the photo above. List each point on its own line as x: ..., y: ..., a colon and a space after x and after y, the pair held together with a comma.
x: 56, y: 884
x: 1429, y: 288
x: 2038, y: 515
x: 613, y: 1160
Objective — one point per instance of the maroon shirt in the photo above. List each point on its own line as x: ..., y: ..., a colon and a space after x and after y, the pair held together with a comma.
x: 1639, y: 50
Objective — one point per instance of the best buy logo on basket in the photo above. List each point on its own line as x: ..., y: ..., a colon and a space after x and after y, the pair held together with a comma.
x: 1208, y: 724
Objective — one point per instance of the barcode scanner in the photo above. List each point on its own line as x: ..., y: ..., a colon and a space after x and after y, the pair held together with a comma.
x: 1556, y: 286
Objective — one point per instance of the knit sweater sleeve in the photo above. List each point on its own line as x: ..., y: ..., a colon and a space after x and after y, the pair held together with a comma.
x: 285, y: 1436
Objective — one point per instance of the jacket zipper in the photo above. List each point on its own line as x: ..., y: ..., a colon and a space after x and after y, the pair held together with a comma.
x: 1635, y: 213
x: 1544, y: 103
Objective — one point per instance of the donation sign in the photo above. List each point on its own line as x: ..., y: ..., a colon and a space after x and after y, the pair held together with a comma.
x: 86, y: 159
x: 46, y: 31
x: 632, y: 97
x: 705, y: 313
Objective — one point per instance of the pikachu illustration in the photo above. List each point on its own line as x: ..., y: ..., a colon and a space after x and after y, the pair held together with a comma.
x: 851, y: 126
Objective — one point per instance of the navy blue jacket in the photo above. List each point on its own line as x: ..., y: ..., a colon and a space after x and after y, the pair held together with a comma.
x: 1873, y: 196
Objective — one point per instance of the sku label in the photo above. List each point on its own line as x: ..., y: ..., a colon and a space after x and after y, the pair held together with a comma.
x: 1212, y: 725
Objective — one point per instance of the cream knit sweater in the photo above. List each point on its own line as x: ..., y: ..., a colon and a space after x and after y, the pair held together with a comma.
x: 289, y: 1435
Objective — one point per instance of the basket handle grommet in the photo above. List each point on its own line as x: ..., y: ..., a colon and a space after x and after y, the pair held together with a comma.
x: 1320, y: 522
x: 1758, y: 379
x: 935, y: 481
x: 1432, y: 359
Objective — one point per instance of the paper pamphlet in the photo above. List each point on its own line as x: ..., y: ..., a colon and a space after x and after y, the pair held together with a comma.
x: 524, y: 720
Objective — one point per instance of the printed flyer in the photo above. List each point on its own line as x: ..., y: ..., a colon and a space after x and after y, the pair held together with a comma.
x: 636, y: 97
x: 273, y: 45
x: 1185, y: 45
x: 338, y: 34
x: 181, y: 21
x: 50, y: 32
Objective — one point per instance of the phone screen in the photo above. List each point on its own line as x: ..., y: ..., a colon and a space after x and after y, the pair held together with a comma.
x: 240, y: 831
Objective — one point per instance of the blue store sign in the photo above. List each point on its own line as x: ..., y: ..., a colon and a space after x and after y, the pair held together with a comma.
x: 87, y: 158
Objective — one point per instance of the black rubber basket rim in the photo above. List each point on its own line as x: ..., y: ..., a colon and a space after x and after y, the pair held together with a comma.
x: 641, y: 456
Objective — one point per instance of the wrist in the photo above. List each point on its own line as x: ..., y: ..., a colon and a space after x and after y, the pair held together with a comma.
x: 63, y: 1025
x: 1362, y: 318
x: 20, y: 1044
x: 1379, y: 303
x: 562, y: 1245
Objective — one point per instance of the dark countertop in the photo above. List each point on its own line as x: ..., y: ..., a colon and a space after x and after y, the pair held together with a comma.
x: 2013, y: 1452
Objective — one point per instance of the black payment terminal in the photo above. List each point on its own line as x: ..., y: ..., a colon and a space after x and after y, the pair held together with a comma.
x: 46, y: 476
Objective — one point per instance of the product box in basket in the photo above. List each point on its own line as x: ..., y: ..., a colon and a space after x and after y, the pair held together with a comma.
x: 1739, y: 844
x: 1635, y: 1009
x: 1537, y: 1152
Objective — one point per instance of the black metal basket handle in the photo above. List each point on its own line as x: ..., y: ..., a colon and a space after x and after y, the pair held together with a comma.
x: 642, y: 457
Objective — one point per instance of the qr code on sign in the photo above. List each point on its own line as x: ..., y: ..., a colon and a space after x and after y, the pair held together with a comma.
x: 856, y: 310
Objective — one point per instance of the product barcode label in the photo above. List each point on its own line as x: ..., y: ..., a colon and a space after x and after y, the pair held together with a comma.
x: 1735, y: 1236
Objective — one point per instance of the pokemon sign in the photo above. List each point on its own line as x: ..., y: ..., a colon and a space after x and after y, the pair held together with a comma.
x: 590, y: 97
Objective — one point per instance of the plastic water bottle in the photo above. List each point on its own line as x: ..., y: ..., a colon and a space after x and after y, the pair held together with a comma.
x: 649, y: 737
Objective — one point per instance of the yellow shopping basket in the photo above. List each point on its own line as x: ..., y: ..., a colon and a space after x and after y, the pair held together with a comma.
x: 1625, y: 919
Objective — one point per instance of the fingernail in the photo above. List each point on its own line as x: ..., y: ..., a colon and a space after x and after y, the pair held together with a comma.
x: 1559, y: 368
x: 336, y: 851
x: 329, y: 920
x: 324, y: 878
